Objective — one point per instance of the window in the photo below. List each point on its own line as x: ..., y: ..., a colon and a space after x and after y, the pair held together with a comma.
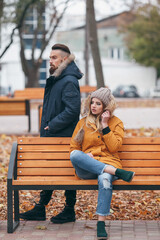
x: 30, y: 27
x: 43, y: 73
x: 116, y: 53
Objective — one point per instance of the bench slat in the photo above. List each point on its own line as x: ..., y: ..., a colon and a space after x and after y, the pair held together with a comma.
x: 55, y: 178
x: 140, y: 148
x: 136, y: 181
x: 139, y: 155
x: 43, y: 148
x: 141, y: 163
x: 71, y: 171
x: 45, y: 171
x: 40, y: 140
x: 39, y: 156
x: 43, y: 163
x: 65, y: 155
x: 53, y: 148
x: 145, y: 171
x: 141, y: 140
x: 67, y: 163
x: 66, y: 140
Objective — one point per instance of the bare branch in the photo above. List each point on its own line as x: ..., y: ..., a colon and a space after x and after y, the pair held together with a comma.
x: 54, y: 28
x: 18, y: 26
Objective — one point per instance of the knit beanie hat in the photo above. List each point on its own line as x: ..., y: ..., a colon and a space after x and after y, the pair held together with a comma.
x: 103, y: 94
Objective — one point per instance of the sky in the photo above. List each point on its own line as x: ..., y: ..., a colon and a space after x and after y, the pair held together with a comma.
x: 103, y: 8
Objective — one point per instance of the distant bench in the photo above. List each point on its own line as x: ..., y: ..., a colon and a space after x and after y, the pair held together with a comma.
x: 44, y: 164
x: 11, y: 106
x: 29, y: 93
x: 19, y: 104
x: 38, y: 93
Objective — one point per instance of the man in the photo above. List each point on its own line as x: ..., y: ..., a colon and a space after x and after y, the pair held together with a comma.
x: 61, y: 109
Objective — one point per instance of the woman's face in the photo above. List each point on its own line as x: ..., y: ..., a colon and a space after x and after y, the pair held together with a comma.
x: 96, y: 106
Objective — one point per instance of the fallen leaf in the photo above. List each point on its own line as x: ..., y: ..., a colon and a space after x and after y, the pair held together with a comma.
x: 41, y: 227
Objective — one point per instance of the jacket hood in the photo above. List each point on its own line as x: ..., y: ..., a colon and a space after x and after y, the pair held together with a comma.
x: 68, y: 67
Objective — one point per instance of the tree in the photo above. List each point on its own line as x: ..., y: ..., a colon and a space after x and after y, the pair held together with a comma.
x: 1, y: 7
x: 19, y: 24
x: 93, y: 40
x: 143, y: 36
x: 42, y: 34
x: 47, y: 16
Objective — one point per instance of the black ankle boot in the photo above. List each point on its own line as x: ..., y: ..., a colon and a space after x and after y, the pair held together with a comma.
x: 38, y: 213
x: 124, y: 175
x: 67, y: 215
x: 101, y: 231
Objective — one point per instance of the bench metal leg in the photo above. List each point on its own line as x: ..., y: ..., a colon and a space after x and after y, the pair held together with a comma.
x: 10, y: 211
x: 11, y: 226
x: 29, y: 123
x: 16, y: 205
x: 28, y: 113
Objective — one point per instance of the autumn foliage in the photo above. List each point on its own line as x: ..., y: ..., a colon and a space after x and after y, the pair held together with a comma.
x: 126, y: 205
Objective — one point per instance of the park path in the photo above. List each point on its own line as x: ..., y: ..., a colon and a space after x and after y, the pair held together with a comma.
x: 83, y: 230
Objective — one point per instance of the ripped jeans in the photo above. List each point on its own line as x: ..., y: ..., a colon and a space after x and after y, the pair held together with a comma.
x: 90, y: 168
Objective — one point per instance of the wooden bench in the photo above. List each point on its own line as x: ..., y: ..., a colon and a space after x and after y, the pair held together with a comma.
x: 11, y: 106
x: 43, y: 164
x: 30, y: 93
x: 38, y: 93
x: 87, y: 89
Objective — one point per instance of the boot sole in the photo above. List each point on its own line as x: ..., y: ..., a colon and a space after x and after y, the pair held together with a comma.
x: 102, y: 238
x: 132, y: 177
x: 31, y: 219
x: 64, y: 221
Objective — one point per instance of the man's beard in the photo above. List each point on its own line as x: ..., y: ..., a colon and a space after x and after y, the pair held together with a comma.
x: 52, y: 70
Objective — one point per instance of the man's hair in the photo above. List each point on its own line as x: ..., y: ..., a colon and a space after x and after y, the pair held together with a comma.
x: 61, y: 47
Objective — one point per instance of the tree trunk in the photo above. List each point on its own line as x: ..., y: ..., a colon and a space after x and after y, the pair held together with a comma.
x: 93, y: 39
x: 33, y: 78
x: 30, y: 68
x: 86, y: 51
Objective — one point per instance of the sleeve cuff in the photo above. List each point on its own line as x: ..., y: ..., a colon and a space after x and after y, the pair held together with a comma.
x: 106, y: 130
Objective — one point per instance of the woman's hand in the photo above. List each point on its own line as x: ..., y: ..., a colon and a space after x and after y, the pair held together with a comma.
x: 105, y: 118
x: 90, y: 155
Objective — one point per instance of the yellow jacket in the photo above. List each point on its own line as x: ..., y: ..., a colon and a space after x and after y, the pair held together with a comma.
x: 103, y: 147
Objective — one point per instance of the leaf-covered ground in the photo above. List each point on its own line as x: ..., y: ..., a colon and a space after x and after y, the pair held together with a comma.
x: 126, y: 205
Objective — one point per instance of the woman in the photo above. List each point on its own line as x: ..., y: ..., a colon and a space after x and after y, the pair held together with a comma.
x: 94, y: 146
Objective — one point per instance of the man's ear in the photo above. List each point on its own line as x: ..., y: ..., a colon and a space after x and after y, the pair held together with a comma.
x: 65, y: 58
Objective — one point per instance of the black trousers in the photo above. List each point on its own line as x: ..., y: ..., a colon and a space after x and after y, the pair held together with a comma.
x: 45, y: 197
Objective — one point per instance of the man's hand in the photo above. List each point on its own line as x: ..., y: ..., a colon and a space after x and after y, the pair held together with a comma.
x: 105, y: 118
x: 46, y: 128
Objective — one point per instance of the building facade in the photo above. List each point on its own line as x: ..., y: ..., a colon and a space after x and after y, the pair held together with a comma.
x: 118, y: 68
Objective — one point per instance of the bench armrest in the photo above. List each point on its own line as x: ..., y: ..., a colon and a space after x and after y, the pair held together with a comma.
x: 12, y: 161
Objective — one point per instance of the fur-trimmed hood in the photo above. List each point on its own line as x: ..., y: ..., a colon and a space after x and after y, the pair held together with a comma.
x: 85, y: 105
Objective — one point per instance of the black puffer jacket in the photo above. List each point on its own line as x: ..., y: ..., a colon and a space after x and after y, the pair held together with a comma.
x: 61, y: 105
